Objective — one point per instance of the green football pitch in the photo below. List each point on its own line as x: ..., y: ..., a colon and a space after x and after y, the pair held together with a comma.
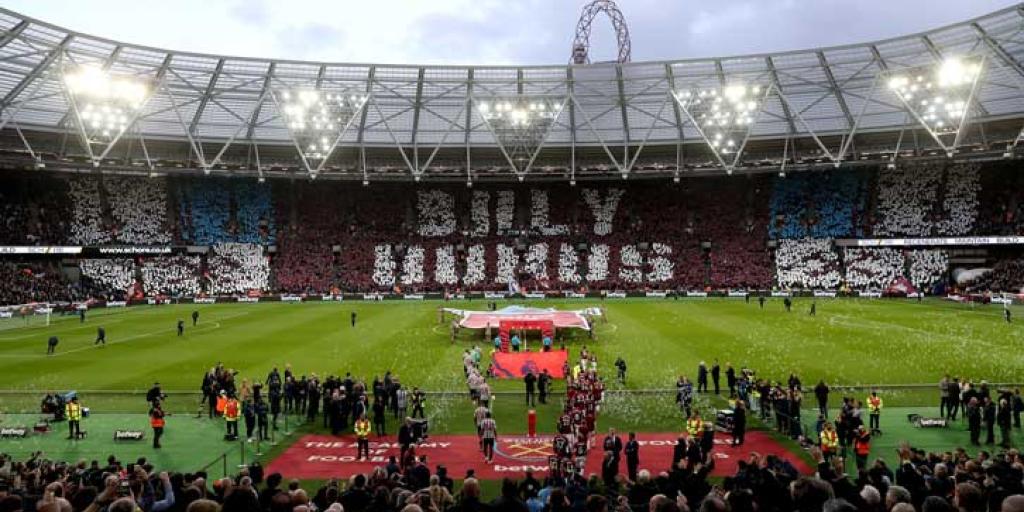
x: 850, y: 342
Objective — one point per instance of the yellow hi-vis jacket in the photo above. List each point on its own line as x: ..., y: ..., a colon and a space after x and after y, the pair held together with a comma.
x: 874, y: 404
x: 73, y: 411
x: 362, y: 428
x: 829, y: 440
x: 694, y: 426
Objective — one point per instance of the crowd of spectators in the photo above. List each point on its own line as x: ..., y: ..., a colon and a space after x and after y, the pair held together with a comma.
x: 872, y: 268
x: 928, y: 199
x: 807, y: 263
x: 119, y: 210
x: 235, y: 268
x: 33, y: 210
x: 917, y: 481
x: 216, y: 210
x: 1007, y: 275
x: 89, y: 226
x: 171, y: 275
x: 928, y: 267
x: 828, y: 204
x: 138, y: 209
x: 34, y: 281
x: 114, y: 274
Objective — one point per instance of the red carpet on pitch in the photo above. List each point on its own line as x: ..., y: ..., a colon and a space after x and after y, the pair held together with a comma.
x: 323, y: 456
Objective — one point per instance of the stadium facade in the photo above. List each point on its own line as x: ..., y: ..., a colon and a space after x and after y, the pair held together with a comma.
x: 132, y: 171
x: 220, y: 114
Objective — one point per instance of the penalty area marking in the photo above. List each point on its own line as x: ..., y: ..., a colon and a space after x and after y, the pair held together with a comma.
x: 205, y: 327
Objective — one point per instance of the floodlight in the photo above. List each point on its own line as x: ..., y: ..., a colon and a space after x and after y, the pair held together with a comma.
x: 317, y: 119
x: 106, y: 104
x: 520, y: 124
x: 724, y: 116
x: 939, y: 96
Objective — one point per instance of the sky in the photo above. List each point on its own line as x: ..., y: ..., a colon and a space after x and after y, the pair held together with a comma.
x: 493, y: 32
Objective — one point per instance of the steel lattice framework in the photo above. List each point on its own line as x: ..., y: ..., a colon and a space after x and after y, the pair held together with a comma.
x: 207, y: 112
x: 581, y: 43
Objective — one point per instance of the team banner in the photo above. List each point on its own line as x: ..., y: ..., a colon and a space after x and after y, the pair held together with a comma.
x: 515, y: 365
x: 914, y: 242
x: 560, y: 319
x: 39, y: 249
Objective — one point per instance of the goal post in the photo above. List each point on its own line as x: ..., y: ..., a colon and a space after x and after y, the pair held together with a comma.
x: 36, y: 314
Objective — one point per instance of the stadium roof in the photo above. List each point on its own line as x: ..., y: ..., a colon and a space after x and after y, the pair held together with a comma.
x: 422, y: 112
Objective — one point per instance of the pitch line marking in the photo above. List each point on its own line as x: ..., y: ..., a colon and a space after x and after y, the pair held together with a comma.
x: 215, y: 325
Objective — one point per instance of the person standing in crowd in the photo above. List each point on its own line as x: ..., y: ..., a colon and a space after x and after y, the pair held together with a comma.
x: 489, y: 433
x: 405, y: 437
x: 609, y: 470
x: 632, y: 450
x: 531, y: 383
x: 249, y: 416
x: 716, y: 374
x: 362, y: 428
x: 51, y: 345
x: 944, y: 396
x: 73, y: 413
x: 730, y: 378
x: 1018, y: 407
x: 620, y: 365
x: 829, y: 441
x: 954, y: 403
x: 1004, y: 422
x: 613, y: 443
x: 157, y: 422
x: 181, y: 327
x: 260, y: 406
x: 989, y: 415
x: 352, y: 318
x: 401, y: 402
x: 862, y: 447
x: 231, y: 414
x: 195, y: 318
x: 419, y: 398
x: 739, y: 423
x: 702, y: 378
x: 101, y: 336
x: 379, y: 417
x: 821, y: 394
x: 543, y: 383
x: 874, y: 411
x: 973, y: 414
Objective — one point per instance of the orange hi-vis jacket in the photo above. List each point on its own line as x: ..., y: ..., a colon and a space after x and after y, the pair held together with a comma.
x: 222, y: 401
x: 231, y: 411
x: 156, y: 418
x: 862, y: 445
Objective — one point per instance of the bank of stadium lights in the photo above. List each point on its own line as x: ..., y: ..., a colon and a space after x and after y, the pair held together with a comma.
x: 105, y: 104
x: 939, y: 96
x: 520, y: 125
x: 317, y: 120
x: 724, y: 116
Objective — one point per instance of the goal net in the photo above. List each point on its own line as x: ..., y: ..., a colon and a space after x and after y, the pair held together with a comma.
x: 36, y: 314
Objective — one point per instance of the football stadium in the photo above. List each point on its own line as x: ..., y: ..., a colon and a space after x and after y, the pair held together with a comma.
x: 779, y: 281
